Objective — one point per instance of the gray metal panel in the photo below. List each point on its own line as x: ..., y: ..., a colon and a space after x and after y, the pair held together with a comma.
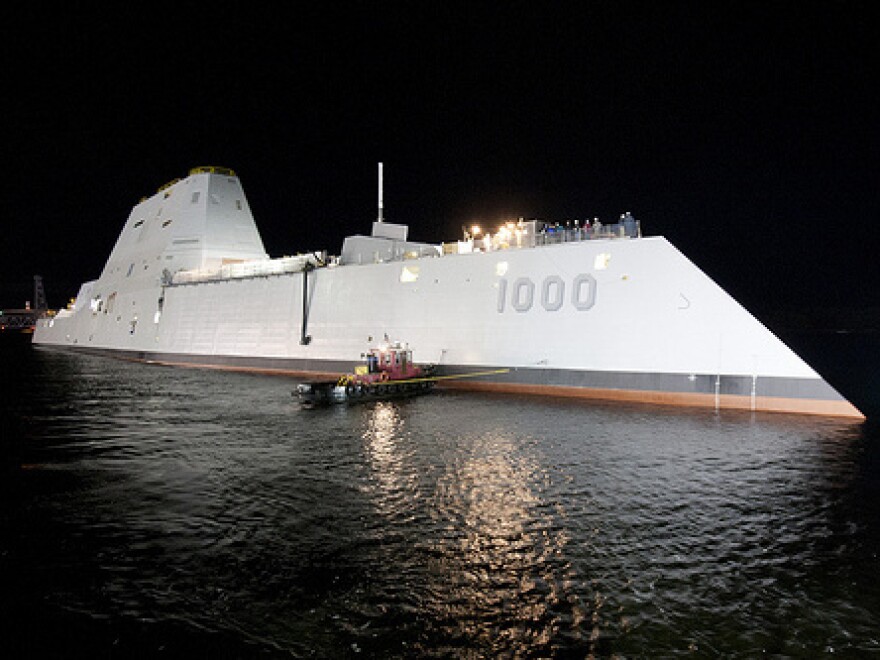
x: 797, y: 388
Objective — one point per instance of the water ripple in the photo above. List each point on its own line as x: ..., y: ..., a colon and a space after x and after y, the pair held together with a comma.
x: 169, y: 508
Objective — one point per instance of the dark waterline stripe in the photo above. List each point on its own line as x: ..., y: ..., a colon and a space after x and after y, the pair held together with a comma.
x: 773, y: 394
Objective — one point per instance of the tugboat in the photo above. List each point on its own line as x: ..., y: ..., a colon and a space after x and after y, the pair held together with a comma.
x: 388, y: 372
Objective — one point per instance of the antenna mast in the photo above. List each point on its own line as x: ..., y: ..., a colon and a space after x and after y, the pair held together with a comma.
x: 381, y: 219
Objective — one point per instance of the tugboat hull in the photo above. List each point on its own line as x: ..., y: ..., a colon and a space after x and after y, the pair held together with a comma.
x: 324, y: 393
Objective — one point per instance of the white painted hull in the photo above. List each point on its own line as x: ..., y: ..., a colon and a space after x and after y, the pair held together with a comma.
x: 628, y: 319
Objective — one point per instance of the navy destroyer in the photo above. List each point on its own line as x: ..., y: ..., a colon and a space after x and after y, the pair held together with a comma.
x: 592, y: 311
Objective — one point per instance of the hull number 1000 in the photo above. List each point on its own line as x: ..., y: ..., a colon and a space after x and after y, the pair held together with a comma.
x: 520, y: 295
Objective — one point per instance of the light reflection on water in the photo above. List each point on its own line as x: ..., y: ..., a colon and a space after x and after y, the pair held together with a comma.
x: 500, y: 547
x: 175, y: 507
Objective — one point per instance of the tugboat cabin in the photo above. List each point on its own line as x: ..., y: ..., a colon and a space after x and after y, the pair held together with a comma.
x: 394, y: 361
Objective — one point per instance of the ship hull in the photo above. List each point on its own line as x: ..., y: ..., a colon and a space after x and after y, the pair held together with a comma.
x: 781, y: 395
x: 627, y: 319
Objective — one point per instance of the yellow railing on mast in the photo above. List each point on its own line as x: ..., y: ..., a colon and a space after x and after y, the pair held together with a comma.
x: 212, y: 169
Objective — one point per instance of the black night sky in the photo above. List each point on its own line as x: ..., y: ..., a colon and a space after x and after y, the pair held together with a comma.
x: 745, y: 132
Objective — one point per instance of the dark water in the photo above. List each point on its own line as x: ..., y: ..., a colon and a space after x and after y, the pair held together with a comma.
x: 158, y: 512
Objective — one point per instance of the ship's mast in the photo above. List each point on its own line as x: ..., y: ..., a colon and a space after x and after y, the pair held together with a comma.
x: 380, y: 219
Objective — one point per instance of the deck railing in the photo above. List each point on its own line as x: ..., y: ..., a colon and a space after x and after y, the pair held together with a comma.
x: 535, y: 233
x: 559, y: 234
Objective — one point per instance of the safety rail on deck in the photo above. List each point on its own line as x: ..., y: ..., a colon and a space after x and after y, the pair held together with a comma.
x: 571, y: 234
x: 212, y: 169
x: 517, y: 235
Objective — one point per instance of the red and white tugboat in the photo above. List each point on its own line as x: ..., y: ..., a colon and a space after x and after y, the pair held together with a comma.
x: 388, y: 372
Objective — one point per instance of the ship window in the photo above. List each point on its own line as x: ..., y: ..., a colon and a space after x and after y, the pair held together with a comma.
x: 166, y: 223
x: 195, y: 197
x: 409, y: 274
x: 238, y: 205
x: 130, y: 268
x: 139, y: 223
